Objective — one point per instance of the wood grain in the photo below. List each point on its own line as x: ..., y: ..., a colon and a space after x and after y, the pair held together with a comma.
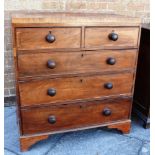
x: 73, y: 19
x: 124, y: 127
x: 80, y: 51
x: 98, y: 37
x: 34, y: 38
x: 74, y: 62
x: 74, y: 88
x: 73, y: 116
x: 27, y: 142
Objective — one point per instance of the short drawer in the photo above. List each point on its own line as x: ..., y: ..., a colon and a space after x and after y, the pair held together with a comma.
x: 74, y: 88
x: 59, y: 63
x: 111, y: 37
x: 65, y: 117
x: 47, y: 38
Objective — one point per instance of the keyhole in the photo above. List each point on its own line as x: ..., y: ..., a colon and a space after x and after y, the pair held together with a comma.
x: 82, y: 106
x: 82, y: 55
x: 81, y: 80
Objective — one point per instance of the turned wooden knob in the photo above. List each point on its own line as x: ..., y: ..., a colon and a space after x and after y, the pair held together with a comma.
x: 51, y: 92
x: 111, y: 61
x: 108, y: 85
x: 51, y: 64
x: 113, y: 36
x: 50, y: 37
x: 52, y: 119
x: 106, y: 112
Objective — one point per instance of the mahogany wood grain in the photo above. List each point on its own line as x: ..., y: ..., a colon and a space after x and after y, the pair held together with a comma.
x: 34, y: 38
x: 73, y: 88
x: 43, y: 19
x: 124, y: 127
x: 73, y: 116
x: 35, y: 64
x: 80, y: 50
x: 27, y: 142
x: 99, y: 37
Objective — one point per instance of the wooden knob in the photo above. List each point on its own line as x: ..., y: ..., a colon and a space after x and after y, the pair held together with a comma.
x: 108, y: 85
x: 111, y: 61
x: 52, y: 119
x: 51, y: 64
x: 106, y: 112
x: 50, y: 37
x: 113, y: 36
x: 51, y: 92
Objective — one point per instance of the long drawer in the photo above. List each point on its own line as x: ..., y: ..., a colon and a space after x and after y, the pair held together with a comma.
x: 74, y: 88
x: 64, y: 117
x: 111, y: 37
x: 59, y: 63
x: 47, y: 38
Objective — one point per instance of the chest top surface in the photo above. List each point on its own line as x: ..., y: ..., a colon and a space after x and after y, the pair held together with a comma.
x: 74, y: 19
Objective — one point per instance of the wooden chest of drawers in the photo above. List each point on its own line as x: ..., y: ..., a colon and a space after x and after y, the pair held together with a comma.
x: 73, y: 72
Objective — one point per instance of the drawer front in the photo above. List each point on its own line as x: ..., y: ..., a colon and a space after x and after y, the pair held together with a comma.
x: 47, y: 38
x: 114, y: 37
x: 56, y: 63
x: 74, y: 88
x: 74, y: 116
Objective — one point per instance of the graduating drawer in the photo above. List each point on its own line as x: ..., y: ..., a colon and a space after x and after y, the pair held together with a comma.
x: 72, y: 116
x: 74, y: 88
x: 56, y: 63
x: 111, y: 37
x: 47, y: 38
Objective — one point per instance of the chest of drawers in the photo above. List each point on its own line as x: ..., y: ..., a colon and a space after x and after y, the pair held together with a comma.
x: 73, y: 71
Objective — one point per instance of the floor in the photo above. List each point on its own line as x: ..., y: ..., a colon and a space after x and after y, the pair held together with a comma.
x: 87, y: 142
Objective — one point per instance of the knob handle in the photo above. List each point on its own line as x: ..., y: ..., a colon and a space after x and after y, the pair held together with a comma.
x: 50, y: 37
x: 107, y: 112
x: 108, y: 85
x: 113, y: 36
x: 52, y: 119
x: 111, y: 61
x: 51, y: 64
x: 51, y: 92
